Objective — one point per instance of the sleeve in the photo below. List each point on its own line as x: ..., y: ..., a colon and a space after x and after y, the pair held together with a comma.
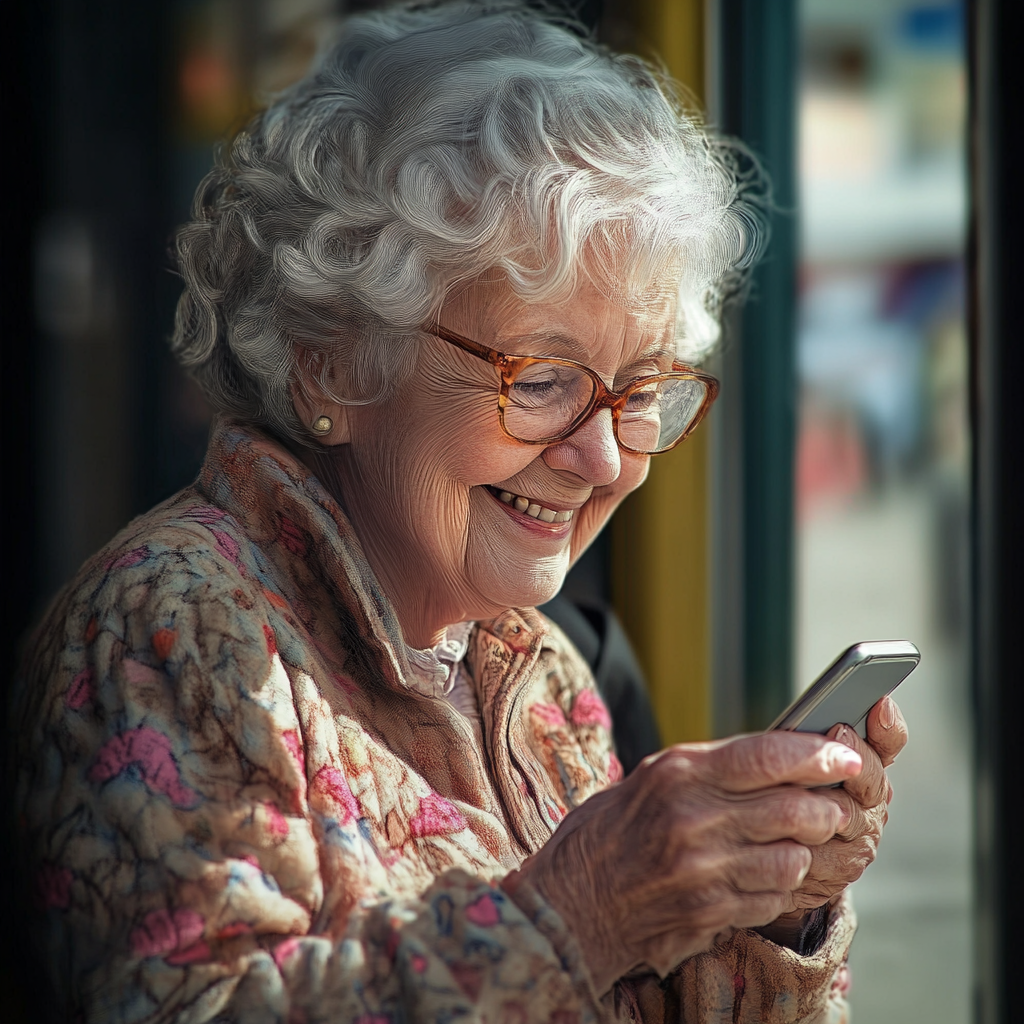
x: 189, y: 867
x: 747, y: 979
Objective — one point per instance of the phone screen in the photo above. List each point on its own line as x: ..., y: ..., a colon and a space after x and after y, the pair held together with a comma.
x: 855, y: 696
x: 850, y: 687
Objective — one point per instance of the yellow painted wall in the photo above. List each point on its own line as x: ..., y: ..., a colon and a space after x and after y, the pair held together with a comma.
x: 660, y: 535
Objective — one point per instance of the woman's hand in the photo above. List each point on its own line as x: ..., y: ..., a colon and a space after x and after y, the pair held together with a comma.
x: 864, y: 800
x: 699, y: 840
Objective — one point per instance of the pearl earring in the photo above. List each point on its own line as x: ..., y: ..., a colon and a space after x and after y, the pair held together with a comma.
x: 323, y: 425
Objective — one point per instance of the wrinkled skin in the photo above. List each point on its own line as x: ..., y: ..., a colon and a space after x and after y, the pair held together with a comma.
x: 704, y: 838
x: 414, y: 470
x: 700, y: 839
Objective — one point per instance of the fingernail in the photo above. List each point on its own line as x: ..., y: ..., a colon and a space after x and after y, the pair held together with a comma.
x: 887, y: 713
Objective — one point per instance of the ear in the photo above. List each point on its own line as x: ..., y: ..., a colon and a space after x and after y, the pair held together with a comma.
x: 311, y: 402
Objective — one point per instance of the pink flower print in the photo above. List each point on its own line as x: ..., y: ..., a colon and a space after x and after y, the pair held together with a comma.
x: 549, y: 714
x: 82, y: 689
x: 333, y: 784
x: 284, y: 950
x: 233, y: 930
x: 138, y: 674
x: 483, y: 912
x: 205, y: 514
x: 277, y: 823
x: 589, y: 709
x: 227, y: 546
x: 436, y: 817
x: 166, y: 931
x: 197, y: 951
x: 842, y: 980
x: 150, y: 752
x: 615, y: 771
x: 292, y: 538
x: 294, y: 745
x: 129, y: 558
x: 53, y: 887
x: 418, y: 962
x: 275, y: 599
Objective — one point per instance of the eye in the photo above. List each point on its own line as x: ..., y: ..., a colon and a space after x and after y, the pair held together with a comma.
x: 546, y: 382
x: 534, y: 387
x: 642, y: 401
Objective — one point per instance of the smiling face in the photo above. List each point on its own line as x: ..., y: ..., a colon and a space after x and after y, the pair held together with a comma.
x: 460, y: 521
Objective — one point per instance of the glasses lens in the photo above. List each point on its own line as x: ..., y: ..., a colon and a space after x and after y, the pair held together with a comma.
x: 658, y: 413
x: 545, y: 399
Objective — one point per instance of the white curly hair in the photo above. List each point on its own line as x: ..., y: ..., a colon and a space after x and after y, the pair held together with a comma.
x: 432, y: 144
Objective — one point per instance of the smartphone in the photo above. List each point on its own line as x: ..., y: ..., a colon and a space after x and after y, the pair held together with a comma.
x: 850, y: 687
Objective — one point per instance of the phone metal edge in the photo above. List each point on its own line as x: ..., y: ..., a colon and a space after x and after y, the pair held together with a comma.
x: 853, y: 657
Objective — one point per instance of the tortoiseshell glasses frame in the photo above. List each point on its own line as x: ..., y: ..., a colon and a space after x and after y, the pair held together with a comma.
x: 510, y: 367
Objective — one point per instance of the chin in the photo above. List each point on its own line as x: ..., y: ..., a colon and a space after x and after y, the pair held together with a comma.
x: 536, y: 586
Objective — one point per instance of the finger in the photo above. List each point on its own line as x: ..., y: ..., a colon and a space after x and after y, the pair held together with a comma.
x: 839, y: 863
x: 774, y: 867
x: 887, y: 730
x: 760, y: 908
x: 789, y: 812
x: 857, y: 819
x: 869, y: 786
x: 774, y: 758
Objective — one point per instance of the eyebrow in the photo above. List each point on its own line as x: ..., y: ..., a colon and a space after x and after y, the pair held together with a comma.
x: 578, y: 350
x: 542, y: 338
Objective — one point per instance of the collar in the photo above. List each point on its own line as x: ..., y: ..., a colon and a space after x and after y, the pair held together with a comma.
x: 434, y: 668
x: 297, y: 526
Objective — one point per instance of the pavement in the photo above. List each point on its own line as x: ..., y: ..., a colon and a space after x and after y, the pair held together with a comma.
x: 867, y: 572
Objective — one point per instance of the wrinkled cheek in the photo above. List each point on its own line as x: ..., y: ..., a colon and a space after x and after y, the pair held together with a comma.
x: 594, y: 516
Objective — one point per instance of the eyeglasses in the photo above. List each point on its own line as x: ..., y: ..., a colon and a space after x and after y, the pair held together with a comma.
x: 543, y: 401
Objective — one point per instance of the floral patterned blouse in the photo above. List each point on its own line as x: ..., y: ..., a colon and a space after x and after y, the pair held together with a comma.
x: 235, y: 807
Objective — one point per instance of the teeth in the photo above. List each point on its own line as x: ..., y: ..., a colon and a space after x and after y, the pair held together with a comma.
x: 521, y: 504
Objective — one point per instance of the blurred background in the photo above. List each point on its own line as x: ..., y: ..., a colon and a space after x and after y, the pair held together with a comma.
x: 828, y: 501
x: 882, y: 453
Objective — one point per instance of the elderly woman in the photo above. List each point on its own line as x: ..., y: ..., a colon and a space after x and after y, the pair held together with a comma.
x: 295, y: 746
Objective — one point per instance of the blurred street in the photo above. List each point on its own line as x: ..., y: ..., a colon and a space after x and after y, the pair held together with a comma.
x: 864, y: 577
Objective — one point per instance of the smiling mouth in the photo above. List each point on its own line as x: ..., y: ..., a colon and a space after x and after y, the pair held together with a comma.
x: 531, y: 508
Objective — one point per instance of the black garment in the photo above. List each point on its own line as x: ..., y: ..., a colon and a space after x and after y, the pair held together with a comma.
x: 600, y: 638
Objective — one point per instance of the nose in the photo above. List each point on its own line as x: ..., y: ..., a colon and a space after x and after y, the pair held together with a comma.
x: 592, y: 452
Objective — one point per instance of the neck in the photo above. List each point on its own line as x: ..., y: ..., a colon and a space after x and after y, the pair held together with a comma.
x: 424, y: 605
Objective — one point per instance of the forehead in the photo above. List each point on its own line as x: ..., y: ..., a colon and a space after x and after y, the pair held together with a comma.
x: 588, y: 326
